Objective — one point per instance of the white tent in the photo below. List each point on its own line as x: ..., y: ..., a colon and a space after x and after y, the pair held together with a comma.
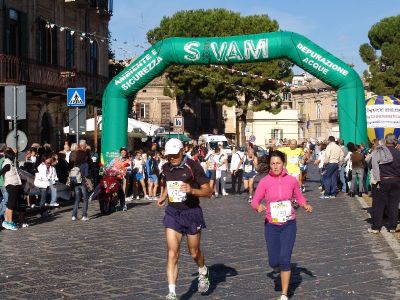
x: 135, y: 128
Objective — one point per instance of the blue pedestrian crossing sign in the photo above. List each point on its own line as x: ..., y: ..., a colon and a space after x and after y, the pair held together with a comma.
x: 76, y: 97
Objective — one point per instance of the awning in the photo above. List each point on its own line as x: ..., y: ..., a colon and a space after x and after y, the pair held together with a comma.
x: 181, y: 136
x: 135, y: 128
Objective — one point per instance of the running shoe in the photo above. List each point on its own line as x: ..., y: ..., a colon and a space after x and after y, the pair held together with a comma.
x: 374, y: 231
x: 85, y: 218
x: 9, y: 225
x: 225, y: 194
x: 171, y: 296
x: 283, y: 297
x: 73, y: 218
x: 204, y: 283
x: 125, y: 208
x: 137, y: 197
x: 55, y: 204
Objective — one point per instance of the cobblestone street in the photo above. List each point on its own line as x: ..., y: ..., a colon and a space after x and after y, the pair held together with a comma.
x: 123, y: 255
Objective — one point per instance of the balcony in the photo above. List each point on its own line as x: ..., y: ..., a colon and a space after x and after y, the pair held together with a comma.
x: 302, y: 117
x: 333, y: 117
x: 14, y: 70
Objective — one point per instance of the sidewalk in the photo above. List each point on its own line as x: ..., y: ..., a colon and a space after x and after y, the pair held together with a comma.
x: 123, y: 255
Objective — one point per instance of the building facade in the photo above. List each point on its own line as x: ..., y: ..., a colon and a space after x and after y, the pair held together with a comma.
x: 316, y: 105
x: 152, y: 106
x: 49, y: 46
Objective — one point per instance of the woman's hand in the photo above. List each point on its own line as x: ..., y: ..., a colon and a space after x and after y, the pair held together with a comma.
x: 260, y: 208
x: 308, y: 208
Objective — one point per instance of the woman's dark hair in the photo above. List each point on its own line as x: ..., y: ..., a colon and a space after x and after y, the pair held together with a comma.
x: 9, y: 153
x: 351, y: 147
x: 263, y: 165
x: 46, y: 157
x: 277, y: 153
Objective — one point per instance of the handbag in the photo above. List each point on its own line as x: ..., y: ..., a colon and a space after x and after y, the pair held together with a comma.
x: 40, y: 182
x: 349, y: 175
x: 89, y: 184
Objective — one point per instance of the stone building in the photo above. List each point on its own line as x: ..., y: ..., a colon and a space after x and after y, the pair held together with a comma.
x: 152, y: 106
x: 316, y: 104
x: 49, y: 46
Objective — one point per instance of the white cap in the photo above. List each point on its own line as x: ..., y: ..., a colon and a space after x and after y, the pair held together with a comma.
x: 173, y: 146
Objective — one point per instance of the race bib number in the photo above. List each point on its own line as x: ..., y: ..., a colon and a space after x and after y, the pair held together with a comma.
x: 248, y: 168
x: 293, y: 160
x: 175, y: 194
x: 281, y: 211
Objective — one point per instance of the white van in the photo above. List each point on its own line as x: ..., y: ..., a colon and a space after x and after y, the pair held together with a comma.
x: 212, y: 141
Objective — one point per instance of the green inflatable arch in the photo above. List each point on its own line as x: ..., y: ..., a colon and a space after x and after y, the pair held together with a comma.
x: 229, y: 50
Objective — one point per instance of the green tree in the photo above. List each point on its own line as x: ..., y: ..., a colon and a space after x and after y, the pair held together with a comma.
x: 249, y: 90
x: 383, y: 57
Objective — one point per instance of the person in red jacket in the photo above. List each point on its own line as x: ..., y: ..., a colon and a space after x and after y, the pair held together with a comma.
x: 277, y: 189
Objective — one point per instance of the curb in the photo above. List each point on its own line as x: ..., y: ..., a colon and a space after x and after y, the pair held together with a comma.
x: 389, y: 237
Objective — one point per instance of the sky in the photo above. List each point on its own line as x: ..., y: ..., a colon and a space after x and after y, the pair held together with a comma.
x: 339, y: 26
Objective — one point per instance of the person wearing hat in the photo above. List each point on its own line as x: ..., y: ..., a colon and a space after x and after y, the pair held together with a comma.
x: 185, y: 182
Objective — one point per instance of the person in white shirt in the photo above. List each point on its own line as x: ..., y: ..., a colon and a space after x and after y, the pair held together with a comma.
x: 221, y: 160
x: 45, y: 180
x: 236, y: 170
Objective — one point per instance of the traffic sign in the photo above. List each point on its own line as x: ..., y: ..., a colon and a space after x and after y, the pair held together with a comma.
x: 76, y: 97
x: 77, y: 120
x: 178, y: 124
x: 10, y: 92
x: 247, y: 131
x: 252, y: 139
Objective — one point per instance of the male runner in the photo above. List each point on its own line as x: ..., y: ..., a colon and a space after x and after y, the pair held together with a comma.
x: 185, y: 181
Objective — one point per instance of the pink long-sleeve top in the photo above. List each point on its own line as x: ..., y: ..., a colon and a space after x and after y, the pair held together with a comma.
x: 275, y: 188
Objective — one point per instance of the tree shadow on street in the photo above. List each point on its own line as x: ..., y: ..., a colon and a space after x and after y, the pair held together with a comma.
x: 218, y: 274
x: 295, y: 279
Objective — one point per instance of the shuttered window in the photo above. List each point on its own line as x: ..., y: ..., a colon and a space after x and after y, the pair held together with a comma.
x: 165, y: 113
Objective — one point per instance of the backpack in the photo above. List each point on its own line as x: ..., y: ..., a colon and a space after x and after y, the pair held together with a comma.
x: 75, y: 176
x: 153, y: 166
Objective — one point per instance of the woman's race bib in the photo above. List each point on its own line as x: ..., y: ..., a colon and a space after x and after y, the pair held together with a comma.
x: 248, y: 168
x: 281, y: 211
x: 175, y: 194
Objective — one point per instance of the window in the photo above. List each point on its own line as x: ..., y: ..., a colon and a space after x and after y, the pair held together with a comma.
x: 301, y: 108
x: 16, y: 31
x: 317, y: 131
x: 69, y: 50
x: 143, y: 111
x: 47, y: 50
x: 287, y: 96
x: 277, y: 134
x: 318, y: 106
x: 93, y: 57
x: 301, y: 133
x: 165, y: 113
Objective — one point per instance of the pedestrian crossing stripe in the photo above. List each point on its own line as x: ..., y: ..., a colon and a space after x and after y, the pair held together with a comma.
x: 76, y: 99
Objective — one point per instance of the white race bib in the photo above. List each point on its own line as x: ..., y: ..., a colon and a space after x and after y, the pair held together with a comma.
x: 294, y: 160
x: 248, y: 168
x: 174, y: 191
x: 281, y: 211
